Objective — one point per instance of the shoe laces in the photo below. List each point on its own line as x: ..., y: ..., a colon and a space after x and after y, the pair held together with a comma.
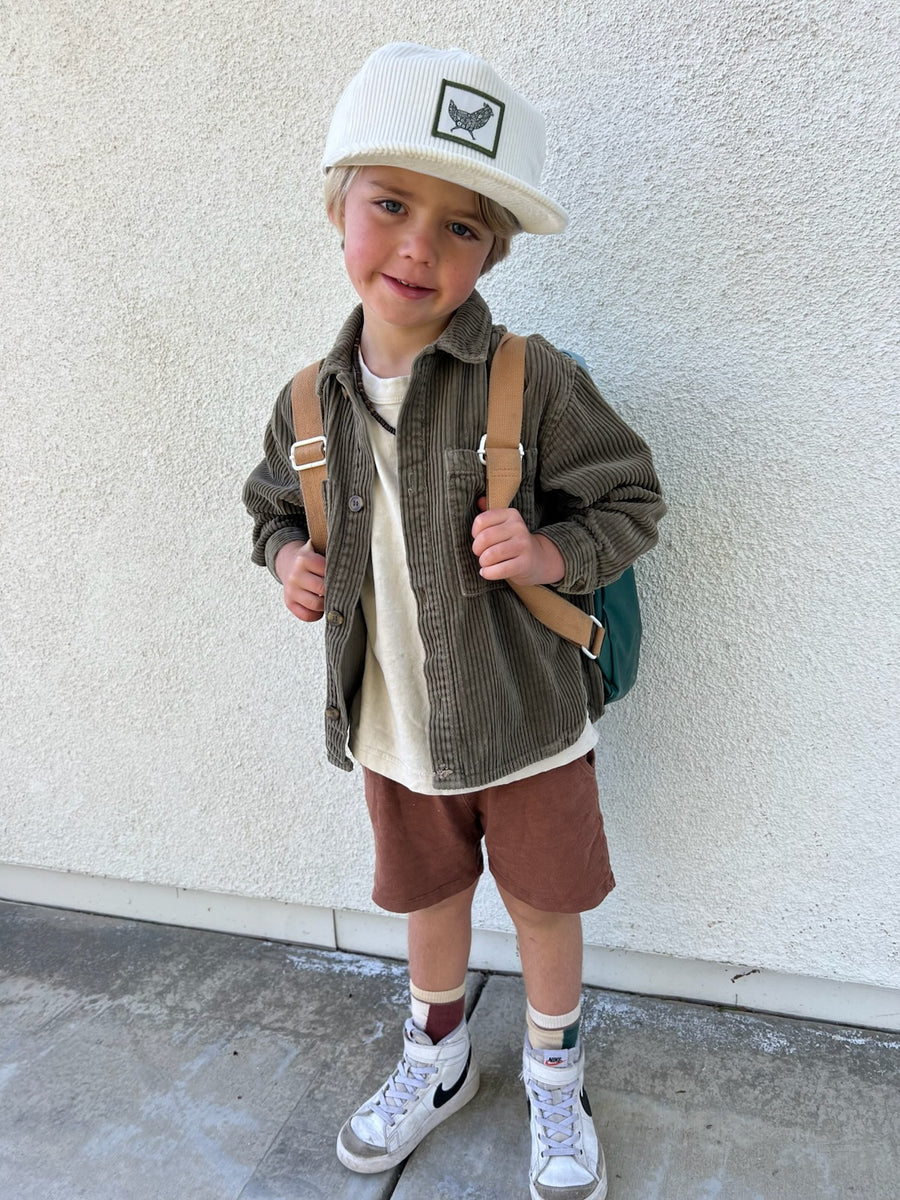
x: 556, y: 1114
x: 408, y: 1079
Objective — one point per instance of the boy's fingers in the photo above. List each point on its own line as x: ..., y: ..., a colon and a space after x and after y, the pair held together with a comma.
x: 492, y: 517
x: 313, y: 591
x: 487, y: 533
x: 496, y: 556
x: 305, y: 604
x: 304, y: 614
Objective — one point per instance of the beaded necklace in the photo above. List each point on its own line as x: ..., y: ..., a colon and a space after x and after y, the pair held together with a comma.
x: 358, y: 380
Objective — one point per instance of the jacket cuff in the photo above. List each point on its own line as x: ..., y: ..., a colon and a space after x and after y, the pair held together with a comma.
x: 276, y: 540
x: 579, y: 552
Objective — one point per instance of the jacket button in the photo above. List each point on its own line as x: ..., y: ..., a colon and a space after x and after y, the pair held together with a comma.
x: 356, y: 504
x: 335, y: 618
x: 579, y: 585
x: 333, y: 714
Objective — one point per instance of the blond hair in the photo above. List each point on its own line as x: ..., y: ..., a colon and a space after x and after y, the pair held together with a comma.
x: 499, y: 221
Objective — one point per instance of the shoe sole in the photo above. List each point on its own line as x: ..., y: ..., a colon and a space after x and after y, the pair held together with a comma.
x: 384, y: 1162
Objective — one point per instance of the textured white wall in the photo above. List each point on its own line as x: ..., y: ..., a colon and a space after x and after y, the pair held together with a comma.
x: 729, y: 272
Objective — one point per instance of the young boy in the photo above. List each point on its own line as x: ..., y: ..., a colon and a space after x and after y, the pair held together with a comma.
x: 470, y: 719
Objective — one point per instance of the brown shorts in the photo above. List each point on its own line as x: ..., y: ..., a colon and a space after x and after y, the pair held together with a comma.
x: 544, y: 838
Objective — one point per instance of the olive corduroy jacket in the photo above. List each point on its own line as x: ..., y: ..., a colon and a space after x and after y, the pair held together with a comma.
x: 505, y: 691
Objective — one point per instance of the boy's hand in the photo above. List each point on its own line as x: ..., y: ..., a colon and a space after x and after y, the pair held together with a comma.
x: 506, y: 549
x: 302, y: 574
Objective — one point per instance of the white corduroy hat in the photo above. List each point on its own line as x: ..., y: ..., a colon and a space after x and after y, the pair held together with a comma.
x: 448, y: 114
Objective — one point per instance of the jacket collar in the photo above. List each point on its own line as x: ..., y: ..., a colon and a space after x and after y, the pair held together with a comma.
x: 467, y: 337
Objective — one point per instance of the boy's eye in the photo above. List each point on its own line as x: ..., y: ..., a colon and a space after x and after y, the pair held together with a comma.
x: 461, y: 230
x: 391, y: 206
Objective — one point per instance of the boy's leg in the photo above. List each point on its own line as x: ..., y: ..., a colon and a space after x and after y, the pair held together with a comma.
x: 550, y: 947
x: 436, y: 1075
x: 439, y: 940
x: 566, y: 1158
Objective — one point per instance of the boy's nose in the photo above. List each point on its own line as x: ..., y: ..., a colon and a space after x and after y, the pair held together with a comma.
x: 418, y: 245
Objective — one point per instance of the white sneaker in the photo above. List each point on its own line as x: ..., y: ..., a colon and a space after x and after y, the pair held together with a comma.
x: 429, y: 1084
x: 566, y: 1158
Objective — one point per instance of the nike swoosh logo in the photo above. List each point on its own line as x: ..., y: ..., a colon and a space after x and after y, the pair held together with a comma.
x: 441, y: 1096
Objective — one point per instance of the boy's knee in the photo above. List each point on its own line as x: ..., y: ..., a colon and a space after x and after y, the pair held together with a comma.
x: 526, y: 916
x: 459, y: 901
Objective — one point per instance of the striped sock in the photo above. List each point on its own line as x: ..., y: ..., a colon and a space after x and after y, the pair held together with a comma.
x: 437, y: 1013
x: 553, y: 1033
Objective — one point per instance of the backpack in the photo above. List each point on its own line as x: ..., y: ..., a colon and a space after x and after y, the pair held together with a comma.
x: 611, y: 635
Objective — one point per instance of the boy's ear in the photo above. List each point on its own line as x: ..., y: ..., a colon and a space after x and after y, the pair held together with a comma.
x: 337, y: 220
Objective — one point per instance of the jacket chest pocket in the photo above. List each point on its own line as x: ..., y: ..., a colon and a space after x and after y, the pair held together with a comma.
x: 464, y: 485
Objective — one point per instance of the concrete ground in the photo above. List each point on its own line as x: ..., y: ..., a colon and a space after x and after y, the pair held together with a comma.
x: 143, y: 1062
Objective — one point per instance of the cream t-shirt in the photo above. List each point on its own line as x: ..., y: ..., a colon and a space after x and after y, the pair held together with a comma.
x: 389, y: 729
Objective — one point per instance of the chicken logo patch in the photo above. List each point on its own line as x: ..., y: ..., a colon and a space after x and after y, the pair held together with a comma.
x: 469, y: 117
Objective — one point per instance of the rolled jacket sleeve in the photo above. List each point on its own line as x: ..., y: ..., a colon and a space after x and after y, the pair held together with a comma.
x: 272, y: 494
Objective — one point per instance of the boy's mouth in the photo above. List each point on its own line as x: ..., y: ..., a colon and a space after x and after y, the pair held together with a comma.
x: 404, y: 287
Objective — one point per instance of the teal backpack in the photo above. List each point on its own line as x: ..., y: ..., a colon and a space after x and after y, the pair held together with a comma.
x: 618, y: 610
x: 613, y: 635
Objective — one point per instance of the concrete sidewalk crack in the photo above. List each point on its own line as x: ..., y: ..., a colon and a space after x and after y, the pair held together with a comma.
x: 475, y: 994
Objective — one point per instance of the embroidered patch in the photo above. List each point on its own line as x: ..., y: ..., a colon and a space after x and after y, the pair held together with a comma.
x: 469, y: 117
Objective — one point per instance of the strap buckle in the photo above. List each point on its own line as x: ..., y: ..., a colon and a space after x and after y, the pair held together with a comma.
x: 595, y: 640
x: 305, y: 466
x: 482, y: 449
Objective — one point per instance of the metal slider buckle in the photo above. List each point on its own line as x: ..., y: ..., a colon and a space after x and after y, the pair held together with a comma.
x: 308, y: 442
x: 482, y: 447
x: 584, y: 649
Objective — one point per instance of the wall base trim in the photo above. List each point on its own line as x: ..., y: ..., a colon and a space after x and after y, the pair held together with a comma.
x: 220, y: 912
x: 729, y: 984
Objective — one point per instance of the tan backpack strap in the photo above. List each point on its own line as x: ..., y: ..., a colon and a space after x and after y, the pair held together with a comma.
x: 502, y: 453
x: 563, y: 617
x: 308, y: 451
x: 501, y: 446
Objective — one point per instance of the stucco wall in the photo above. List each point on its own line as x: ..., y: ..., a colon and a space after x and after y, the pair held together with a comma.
x: 728, y: 273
